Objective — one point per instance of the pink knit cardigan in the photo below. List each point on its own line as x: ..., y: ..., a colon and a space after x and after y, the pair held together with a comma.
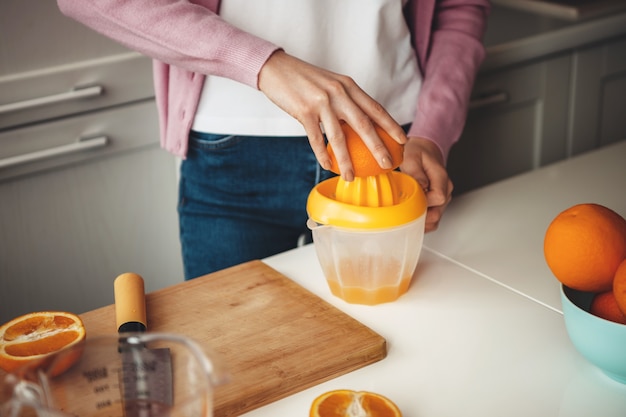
x: 187, y: 39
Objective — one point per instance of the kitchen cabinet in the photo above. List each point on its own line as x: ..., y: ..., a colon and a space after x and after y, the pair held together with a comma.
x: 517, y: 122
x: 548, y: 90
x: 86, y: 193
x: 67, y: 233
x: 598, y: 96
x: 52, y: 66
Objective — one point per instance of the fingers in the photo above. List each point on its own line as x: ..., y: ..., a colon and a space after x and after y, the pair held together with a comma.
x: 437, y: 199
x: 423, y: 161
x: 413, y: 164
x: 337, y: 140
x: 364, y: 127
x: 362, y: 119
x: 318, y: 146
x: 373, y: 113
x: 319, y: 100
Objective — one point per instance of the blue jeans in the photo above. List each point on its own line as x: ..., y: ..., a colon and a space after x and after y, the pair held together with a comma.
x: 243, y: 198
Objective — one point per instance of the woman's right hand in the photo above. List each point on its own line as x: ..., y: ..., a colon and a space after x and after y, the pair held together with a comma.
x: 319, y: 99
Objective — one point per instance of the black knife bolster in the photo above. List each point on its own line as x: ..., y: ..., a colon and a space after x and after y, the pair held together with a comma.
x: 132, y: 326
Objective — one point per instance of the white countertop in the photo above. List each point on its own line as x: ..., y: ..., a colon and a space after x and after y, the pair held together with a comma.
x: 498, y: 230
x: 480, y: 333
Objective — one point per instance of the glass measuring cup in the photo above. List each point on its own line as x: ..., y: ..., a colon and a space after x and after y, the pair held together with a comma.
x: 105, y: 382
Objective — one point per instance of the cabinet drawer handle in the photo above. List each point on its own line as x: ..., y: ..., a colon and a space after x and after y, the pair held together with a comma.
x: 81, y: 145
x: 75, y: 94
x: 489, y: 100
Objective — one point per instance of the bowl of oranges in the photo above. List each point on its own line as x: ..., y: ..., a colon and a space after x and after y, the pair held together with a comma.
x: 585, y: 248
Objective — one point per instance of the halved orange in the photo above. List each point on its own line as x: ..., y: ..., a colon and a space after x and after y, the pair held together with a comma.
x: 27, y: 341
x: 363, y: 162
x: 348, y: 403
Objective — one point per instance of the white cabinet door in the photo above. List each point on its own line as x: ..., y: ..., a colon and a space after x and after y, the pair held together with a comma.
x: 34, y: 34
x: 52, y: 66
x: 66, y: 235
x: 78, y: 87
x: 85, y: 191
x: 70, y: 224
x: 42, y: 146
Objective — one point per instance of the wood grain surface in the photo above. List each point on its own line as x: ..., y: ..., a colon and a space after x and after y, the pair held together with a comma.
x: 275, y: 337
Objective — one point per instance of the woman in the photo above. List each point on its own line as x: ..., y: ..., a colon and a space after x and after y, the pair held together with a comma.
x: 246, y: 89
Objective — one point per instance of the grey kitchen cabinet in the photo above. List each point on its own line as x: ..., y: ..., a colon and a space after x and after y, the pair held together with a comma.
x: 548, y: 89
x: 598, y: 96
x: 52, y: 66
x: 86, y: 193
x: 517, y: 122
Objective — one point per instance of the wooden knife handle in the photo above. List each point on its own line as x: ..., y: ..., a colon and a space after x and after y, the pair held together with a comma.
x: 130, y: 303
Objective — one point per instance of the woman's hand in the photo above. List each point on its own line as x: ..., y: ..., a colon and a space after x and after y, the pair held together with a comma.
x: 319, y: 99
x: 424, y: 162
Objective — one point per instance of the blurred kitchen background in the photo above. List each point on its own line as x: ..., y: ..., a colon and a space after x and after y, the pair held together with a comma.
x: 86, y: 193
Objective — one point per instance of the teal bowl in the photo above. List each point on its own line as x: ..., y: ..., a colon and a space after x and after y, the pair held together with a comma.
x: 601, y: 342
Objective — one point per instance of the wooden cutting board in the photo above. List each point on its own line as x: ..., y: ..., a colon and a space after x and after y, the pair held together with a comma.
x: 276, y: 337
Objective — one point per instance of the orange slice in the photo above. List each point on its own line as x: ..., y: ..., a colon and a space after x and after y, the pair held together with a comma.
x: 348, y: 403
x: 27, y: 341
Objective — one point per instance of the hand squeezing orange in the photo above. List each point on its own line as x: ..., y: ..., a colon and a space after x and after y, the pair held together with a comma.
x: 363, y: 162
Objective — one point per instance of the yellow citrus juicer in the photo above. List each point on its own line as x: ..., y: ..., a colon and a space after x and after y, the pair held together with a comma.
x: 368, y: 234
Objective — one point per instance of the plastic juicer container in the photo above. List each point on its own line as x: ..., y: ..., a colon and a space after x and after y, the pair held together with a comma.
x: 368, y: 235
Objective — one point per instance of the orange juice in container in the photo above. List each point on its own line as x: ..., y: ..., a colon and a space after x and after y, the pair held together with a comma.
x: 368, y: 234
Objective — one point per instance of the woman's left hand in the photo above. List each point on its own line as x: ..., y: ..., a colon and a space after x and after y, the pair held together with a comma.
x: 424, y: 162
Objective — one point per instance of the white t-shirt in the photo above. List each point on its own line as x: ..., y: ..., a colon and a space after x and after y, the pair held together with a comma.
x: 365, y: 39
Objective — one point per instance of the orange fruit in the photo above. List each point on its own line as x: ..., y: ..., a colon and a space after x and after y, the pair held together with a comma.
x: 363, y: 162
x: 584, y: 245
x: 619, y: 286
x: 29, y: 341
x: 348, y: 403
x: 605, y: 306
